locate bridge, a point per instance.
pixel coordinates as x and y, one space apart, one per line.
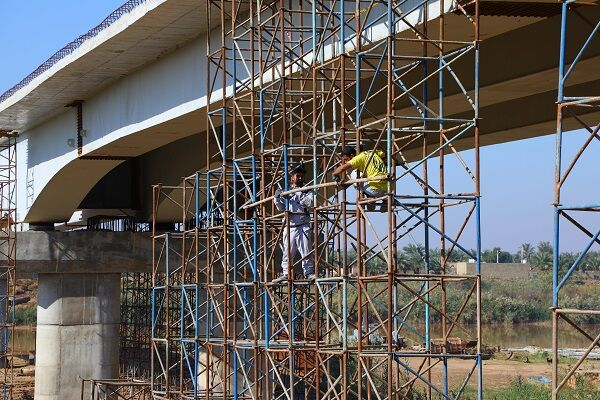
125 107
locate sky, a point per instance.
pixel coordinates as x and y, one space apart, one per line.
516 178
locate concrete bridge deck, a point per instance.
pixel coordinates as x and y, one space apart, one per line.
142 79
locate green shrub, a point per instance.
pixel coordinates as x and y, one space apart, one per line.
521 389
26 315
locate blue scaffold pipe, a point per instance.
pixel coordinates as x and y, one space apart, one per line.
478 234
563 44
197 198
555 264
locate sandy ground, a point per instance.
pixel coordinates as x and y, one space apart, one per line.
496 374
23 387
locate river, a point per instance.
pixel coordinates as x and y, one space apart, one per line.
540 335
522 335
24 339
505 336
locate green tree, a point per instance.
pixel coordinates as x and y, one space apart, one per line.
457 255
526 251
566 260
414 257
592 261
435 261
543 258
403 262
376 265
496 254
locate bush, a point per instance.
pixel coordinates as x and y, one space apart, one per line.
26 315
521 389
583 302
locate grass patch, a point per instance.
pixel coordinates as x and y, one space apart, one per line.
521 389
26 315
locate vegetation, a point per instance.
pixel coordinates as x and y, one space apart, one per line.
411 258
503 301
26 315
521 389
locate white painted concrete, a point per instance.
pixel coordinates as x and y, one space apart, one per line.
165 90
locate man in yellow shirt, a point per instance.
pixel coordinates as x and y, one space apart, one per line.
370 164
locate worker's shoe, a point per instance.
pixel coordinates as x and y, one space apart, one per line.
280 278
310 277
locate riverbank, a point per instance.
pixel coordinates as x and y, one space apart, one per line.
518 301
523 376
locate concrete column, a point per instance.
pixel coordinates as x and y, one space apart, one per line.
77 332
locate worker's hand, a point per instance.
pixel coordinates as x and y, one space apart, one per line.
337 179
279 195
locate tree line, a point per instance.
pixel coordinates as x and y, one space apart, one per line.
412 258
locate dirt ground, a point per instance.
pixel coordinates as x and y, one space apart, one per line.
23 387
497 372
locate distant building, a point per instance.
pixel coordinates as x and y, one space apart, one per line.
494 270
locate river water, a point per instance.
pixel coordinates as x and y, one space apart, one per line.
505 336
24 340
522 335
515 336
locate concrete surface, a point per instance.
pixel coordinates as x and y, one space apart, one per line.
77 332
505 271
84 252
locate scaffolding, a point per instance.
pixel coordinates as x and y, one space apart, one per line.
582 110
8 254
294 81
116 389
136 303
135 327
179 287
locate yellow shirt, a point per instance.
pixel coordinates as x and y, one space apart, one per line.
375 167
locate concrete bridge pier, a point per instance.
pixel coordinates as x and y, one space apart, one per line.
79 295
77 332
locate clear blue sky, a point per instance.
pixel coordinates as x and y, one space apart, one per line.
517 177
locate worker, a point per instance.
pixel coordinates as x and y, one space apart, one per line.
370 164
300 234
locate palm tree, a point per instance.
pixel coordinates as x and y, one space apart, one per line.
526 250
435 261
545 247
592 261
414 256
543 258
496 254
403 262
566 260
